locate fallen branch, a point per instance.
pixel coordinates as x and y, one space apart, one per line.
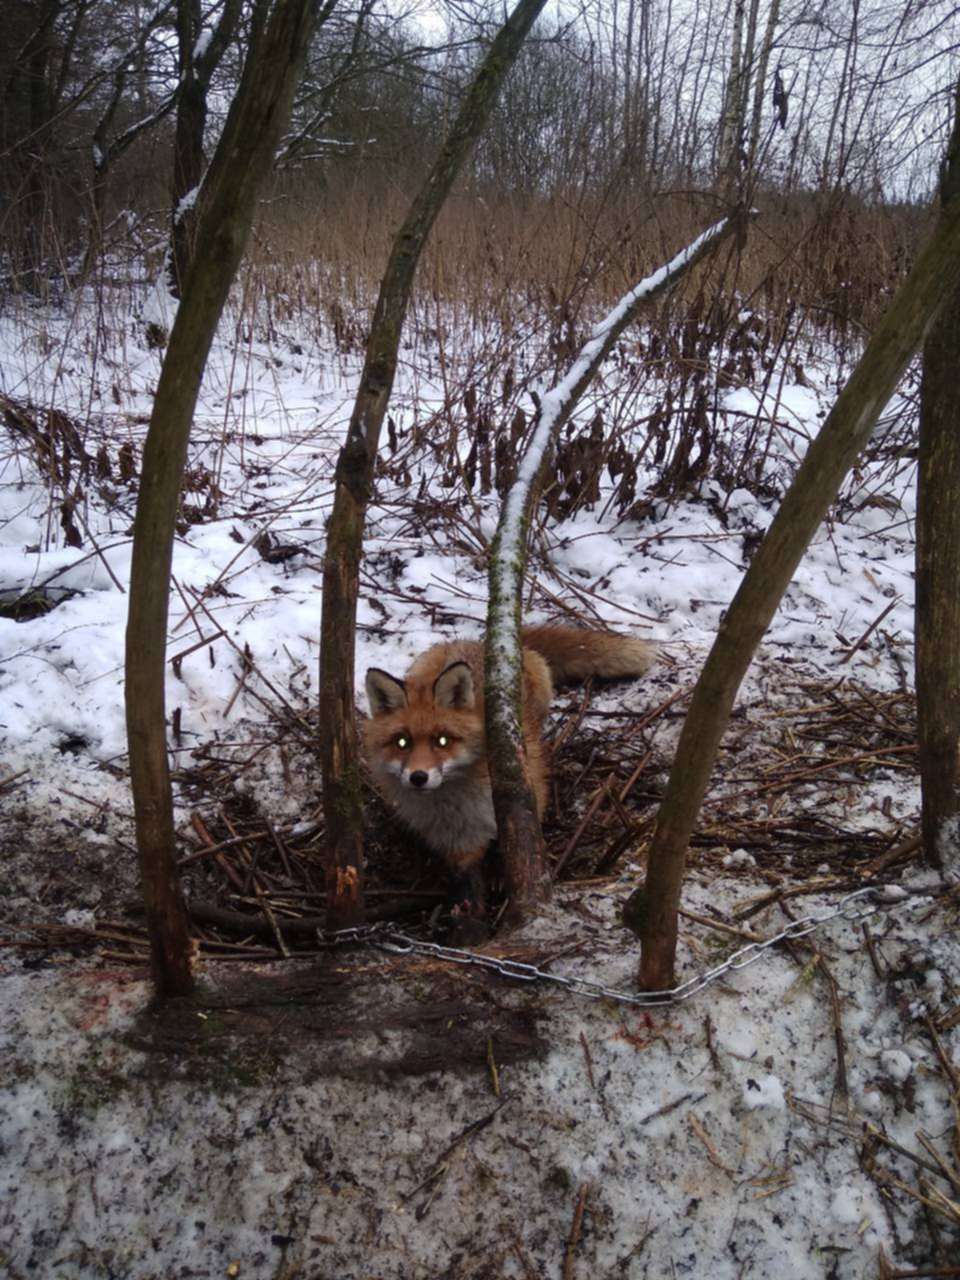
858 644
244 924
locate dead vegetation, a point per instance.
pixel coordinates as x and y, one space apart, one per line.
787 796
787 793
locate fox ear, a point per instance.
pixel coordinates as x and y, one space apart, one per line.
453 688
384 692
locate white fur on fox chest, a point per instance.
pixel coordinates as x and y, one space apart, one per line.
456 817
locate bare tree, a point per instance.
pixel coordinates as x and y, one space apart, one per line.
652 909
733 116
254 125
339 748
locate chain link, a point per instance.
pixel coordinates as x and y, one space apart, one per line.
387 937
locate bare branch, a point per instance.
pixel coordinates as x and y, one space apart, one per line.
517 824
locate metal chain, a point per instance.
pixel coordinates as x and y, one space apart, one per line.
387 937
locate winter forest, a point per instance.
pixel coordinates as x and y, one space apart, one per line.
479 639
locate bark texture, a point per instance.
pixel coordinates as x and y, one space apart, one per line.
339 747
938 565
246 149
652 910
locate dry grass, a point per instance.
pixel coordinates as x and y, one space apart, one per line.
494 255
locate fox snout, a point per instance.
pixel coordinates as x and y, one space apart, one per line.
422 779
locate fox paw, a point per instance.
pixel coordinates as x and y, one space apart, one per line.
469 925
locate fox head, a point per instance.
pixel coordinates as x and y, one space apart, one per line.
423 734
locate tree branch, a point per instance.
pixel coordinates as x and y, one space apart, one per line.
517 823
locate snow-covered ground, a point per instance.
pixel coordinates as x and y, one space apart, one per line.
710 1138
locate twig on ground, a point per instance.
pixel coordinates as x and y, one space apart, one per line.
872 950
576 1227
524 1259
492 1064
899 853
441 1164
588 1060
713 1155
672 1106
747 934
858 644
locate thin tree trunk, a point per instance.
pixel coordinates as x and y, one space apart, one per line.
938 565
518 827
253 129
196 73
339 748
187 144
760 93
37 220
732 115
652 909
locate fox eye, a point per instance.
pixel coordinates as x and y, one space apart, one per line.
442 740
402 741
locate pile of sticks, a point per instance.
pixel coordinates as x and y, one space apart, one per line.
789 790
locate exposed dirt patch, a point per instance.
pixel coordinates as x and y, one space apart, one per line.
343 1017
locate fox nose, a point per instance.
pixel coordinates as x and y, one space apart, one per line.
418 778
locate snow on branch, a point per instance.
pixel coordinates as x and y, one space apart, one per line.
508 556
129 135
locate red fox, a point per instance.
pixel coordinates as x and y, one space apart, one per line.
425 736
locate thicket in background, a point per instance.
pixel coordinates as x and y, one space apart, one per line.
617 137
108 108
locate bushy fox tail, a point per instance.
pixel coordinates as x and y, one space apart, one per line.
574 653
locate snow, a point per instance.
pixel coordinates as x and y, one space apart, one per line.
704 1152
202 43
896 1064
711 1137
186 203
846 1206
159 308
763 1093
739 858
948 842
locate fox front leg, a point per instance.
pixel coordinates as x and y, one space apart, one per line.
468 901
